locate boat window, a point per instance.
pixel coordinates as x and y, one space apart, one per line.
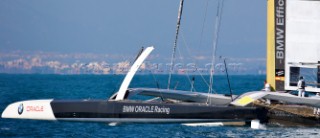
141 97
310 76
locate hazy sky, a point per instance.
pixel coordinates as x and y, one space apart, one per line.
123 26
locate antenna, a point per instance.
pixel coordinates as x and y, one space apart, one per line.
225 65
192 83
140 52
175 87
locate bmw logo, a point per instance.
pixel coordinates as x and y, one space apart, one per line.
20 109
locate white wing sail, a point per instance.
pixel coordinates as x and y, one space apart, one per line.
136 65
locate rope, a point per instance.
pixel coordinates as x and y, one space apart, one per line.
203 24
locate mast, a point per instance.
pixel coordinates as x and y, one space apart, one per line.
175 42
215 42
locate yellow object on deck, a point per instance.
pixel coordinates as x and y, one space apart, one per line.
245 100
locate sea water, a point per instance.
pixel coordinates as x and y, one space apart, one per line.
24 87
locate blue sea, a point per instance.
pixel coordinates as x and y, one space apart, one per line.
23 87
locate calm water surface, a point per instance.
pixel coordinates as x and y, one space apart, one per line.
23 87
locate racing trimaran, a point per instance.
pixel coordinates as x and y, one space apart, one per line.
167 106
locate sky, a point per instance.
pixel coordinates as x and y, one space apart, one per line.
123 26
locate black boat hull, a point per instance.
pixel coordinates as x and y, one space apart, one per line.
130 111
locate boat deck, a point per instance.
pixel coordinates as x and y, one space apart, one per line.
289 114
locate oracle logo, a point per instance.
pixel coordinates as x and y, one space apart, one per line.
34 108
